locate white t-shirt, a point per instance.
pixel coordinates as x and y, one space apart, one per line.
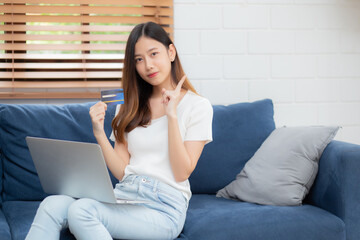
148 146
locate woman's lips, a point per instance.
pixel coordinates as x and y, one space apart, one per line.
152 75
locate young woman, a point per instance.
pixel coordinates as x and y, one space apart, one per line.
159 134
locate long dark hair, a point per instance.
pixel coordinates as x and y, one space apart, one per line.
136 110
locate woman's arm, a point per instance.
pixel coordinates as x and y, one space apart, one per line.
116 158
183 155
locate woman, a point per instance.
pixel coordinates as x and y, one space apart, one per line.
159 134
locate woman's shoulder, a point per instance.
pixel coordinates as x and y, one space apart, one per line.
196 103
198 110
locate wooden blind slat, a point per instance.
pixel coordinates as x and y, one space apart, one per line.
42 65
86 19
63 56
67 28
48 95
72 28
163 3
64 37
64 47
60 75
60 84
31 9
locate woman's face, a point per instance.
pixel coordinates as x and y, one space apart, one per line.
153 61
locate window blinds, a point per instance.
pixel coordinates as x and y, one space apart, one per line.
70 43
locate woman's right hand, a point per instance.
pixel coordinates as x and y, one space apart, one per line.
97 114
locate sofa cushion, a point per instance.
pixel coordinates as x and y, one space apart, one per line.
210 218
238 131
4 228
283 169
67 122
20 215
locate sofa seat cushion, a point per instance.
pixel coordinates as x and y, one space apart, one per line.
4 228
209 218
20 215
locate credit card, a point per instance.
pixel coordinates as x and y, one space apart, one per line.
113 96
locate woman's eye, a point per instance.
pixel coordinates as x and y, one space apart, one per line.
154 53
138 60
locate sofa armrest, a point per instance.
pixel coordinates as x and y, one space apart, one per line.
336 188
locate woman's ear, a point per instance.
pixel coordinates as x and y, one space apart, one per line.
172 52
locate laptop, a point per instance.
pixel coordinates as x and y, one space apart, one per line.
76 169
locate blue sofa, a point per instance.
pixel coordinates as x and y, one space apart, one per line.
331 211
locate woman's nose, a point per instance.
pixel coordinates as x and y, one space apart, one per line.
149 64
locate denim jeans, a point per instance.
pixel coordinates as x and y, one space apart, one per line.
162 217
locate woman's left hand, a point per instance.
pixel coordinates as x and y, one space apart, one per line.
171 98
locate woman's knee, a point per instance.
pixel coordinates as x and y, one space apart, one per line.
82 209
55 204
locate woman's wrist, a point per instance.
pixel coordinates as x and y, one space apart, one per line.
100 135
172 116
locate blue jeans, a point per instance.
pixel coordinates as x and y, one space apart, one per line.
162 217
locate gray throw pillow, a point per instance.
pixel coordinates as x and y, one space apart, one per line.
283 169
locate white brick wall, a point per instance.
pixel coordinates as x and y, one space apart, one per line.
303 54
